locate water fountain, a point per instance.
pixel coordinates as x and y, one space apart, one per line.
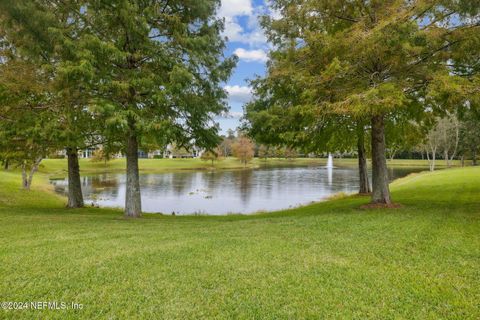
330 161
330 169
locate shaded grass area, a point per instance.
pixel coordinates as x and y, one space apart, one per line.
328 260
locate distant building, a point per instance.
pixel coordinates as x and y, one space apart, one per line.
169 152
87 153
173 152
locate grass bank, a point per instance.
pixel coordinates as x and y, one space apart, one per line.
58 167
330 260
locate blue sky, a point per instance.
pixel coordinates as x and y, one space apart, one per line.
248 42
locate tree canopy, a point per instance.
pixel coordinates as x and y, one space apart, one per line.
359 60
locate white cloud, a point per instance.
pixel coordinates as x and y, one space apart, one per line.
272 12
242 94
233 31
232 115
236 114
251 55
232 8
250 33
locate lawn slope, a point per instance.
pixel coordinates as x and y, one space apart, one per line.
328 260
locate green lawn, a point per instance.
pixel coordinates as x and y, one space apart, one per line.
59 166
330 260
87 166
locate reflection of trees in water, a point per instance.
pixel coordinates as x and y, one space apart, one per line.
393 173
396 173
267 178
104 181
157 185
247 190
59 186
244 183
181 182
212 180
103 184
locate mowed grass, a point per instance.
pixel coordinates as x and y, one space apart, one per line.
58 167
330 260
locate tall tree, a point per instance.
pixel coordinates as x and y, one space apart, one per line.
25 115
46 33
243 150
470 136
362 160
158 69
369 59
278 116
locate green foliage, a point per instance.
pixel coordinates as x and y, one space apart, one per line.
25 113
337 63
212 155
157 67
243 149
46 35
99 155
469 144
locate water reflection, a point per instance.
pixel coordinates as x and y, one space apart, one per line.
330 175
222 192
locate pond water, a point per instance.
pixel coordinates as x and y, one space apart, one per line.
224 192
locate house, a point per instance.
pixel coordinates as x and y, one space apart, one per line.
175 152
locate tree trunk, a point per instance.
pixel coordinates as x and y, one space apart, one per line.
474 157
392 154
362 161
133 202
431 162
434 155
28 178
75 197
24 176
381 191
6 164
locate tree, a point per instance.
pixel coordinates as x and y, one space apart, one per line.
470 136
366 60
403 133
263 152
449 128
362 160
212 155
432 145
277 117
25 117
46 33
243 149
290 153
226 144
100 155
157 69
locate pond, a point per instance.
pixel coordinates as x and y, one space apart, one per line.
224 192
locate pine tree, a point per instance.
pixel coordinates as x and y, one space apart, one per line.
158 68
